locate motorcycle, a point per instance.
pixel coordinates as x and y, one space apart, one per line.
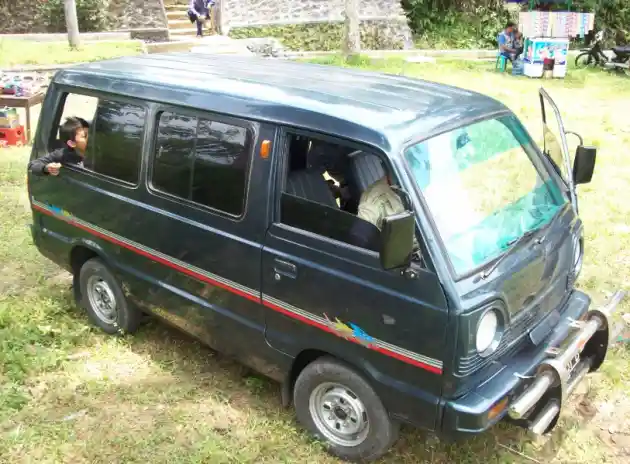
595 56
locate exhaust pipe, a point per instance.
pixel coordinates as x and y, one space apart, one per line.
546 416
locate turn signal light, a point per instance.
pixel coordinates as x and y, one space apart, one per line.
265 149
498 408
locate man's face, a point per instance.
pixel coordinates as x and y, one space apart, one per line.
80 141
509 30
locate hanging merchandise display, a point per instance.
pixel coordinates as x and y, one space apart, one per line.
555 24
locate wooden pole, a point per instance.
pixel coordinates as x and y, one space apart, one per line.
72 24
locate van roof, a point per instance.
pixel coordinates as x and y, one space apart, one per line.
382 110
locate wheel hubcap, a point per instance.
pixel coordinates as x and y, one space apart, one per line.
102 299
339 414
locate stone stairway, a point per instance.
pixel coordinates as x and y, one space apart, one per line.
179 26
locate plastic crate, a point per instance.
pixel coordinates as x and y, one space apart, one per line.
14 137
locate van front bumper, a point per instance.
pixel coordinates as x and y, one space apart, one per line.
533 387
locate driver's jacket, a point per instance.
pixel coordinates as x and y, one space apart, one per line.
378 202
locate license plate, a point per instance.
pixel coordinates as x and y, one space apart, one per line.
573 363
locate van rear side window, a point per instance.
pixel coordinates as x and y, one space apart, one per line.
202 161
115 138
115 144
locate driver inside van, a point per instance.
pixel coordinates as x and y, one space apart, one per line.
73 133
380 201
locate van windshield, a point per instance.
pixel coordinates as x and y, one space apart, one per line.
485 186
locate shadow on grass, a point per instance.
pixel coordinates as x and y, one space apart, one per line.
203 371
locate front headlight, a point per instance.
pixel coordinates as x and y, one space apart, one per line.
489 333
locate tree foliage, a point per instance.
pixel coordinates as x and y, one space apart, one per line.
456 23
92 15
476 23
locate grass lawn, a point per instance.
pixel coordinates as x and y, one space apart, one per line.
68 393
24 52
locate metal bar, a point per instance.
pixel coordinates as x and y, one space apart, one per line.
579 375
546 416
531 396
613 302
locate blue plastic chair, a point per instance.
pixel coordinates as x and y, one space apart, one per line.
501 63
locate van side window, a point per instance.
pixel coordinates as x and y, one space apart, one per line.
116 131
322 191
202 161
73 105
115 143
173 161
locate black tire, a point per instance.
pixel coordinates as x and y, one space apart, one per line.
96 278
382 432
583 60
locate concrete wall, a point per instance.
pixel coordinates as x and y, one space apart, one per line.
22 16
385 18
240 13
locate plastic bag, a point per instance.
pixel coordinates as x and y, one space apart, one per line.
518 68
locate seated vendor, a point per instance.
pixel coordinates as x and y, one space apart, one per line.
518 43
506 42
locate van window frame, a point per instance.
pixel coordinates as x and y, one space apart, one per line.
62 91
281 167
251 140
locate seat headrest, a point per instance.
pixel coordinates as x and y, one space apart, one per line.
366 168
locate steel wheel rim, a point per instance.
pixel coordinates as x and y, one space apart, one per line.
102 299
339 414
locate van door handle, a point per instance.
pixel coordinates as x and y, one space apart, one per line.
284 268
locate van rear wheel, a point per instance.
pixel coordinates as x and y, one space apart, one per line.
103 299
339 407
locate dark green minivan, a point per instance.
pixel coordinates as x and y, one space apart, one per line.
390 250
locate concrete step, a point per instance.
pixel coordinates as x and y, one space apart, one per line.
176 6
177 14
212 45
174 24
184 31
166 47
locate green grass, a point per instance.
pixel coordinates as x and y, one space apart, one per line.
24 52
68 393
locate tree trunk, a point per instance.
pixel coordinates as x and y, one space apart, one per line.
72 24
352 39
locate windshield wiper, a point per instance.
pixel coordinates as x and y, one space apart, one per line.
513 246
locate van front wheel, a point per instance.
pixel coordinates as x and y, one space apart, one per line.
103 299
339 407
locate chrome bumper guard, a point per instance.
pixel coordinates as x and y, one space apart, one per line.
558 375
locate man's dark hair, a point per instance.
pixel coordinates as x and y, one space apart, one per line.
510 24
70 127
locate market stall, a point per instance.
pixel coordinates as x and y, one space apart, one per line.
18 91
547 33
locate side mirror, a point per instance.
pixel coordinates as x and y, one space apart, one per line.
584 164
397 234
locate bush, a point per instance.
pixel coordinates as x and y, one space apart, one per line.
92 15
453 24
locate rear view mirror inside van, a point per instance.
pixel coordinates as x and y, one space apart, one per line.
397 235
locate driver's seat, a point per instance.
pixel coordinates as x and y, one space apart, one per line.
365 169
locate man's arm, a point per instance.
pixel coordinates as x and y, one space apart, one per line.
370 212
192 8
38 166
503 46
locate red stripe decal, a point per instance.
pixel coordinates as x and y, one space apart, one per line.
204 278
325 328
